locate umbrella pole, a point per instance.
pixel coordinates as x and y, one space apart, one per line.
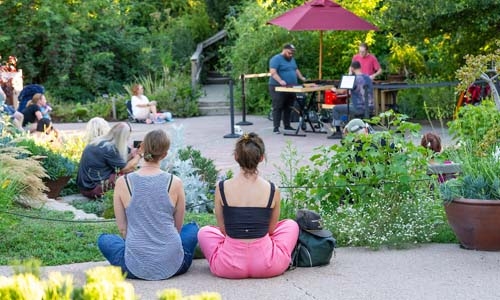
320 52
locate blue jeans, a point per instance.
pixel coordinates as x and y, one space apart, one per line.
112 247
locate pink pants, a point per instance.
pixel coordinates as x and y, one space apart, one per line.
265 257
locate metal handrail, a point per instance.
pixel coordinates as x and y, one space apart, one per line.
197 57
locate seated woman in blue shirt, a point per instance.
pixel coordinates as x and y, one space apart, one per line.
103 159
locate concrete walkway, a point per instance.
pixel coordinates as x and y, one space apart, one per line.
209 135
435 271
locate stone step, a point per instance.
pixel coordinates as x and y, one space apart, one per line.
214 74
212 103
65 205
217 111
214 111
217 80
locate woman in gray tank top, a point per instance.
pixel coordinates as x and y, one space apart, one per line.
149 208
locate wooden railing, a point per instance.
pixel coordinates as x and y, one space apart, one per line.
197 58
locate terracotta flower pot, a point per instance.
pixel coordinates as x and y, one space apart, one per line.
55 186
476 223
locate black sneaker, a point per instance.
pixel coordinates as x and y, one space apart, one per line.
276 130
289 128
335 136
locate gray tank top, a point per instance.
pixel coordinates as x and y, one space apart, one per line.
153 248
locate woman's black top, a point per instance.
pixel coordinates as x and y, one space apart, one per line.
246 222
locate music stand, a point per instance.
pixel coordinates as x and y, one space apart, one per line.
347 83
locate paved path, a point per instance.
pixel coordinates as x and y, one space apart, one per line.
435 271
207 135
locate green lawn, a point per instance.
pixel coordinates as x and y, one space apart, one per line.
57 242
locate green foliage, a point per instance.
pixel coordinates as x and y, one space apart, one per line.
20 175
205 167
473 123
58 243
289 202
252 44
101 106
172 92
10 187
80 50
55 164
53 243
373 189
404 58
437 103
478 152
479 177
219 11
389 217
465 27
101 207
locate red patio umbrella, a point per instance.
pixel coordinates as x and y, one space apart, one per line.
321 15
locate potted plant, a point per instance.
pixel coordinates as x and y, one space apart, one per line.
59 168
472 200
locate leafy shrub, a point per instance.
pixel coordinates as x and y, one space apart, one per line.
101 207
478 153
55 164
432 102
205 167
101 106
172 92
477 124
290 158
196 187
373 189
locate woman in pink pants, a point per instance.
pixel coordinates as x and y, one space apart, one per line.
249 241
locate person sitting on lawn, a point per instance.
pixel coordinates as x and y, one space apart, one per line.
103 159
249 240
149 206
145 110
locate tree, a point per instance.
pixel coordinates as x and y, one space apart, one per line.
82 49
468 26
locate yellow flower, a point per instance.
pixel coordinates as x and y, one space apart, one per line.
5 183
170 294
